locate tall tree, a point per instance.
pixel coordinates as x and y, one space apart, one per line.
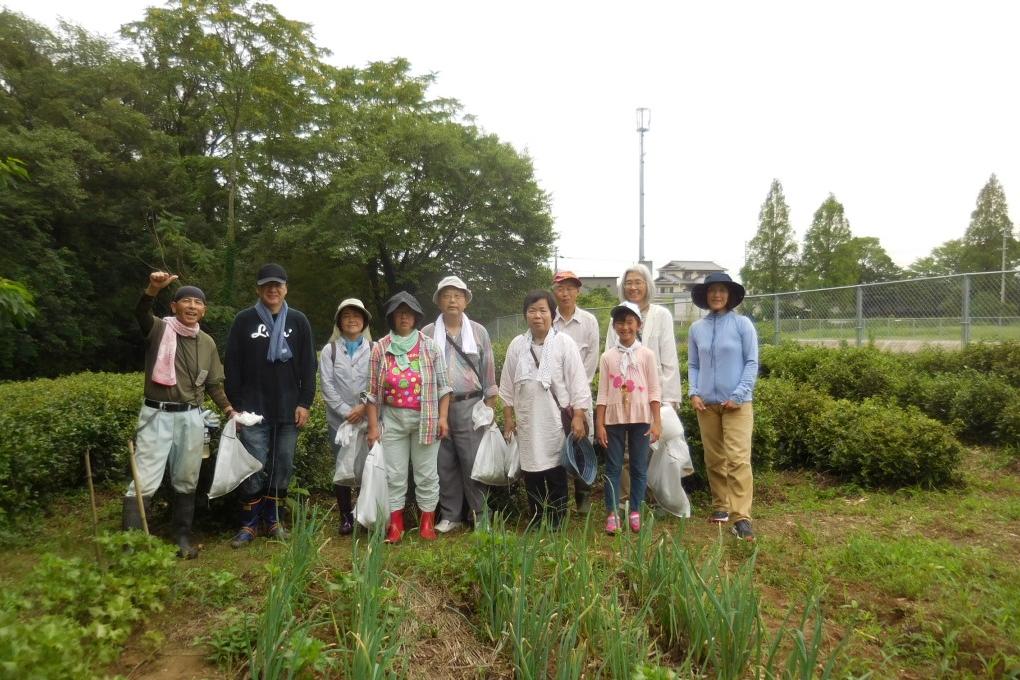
237 81
828 257
772 254
873 262
943 260
412 191
989 243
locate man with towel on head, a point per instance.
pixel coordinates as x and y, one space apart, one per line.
181 365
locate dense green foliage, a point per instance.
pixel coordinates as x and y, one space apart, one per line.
215 136
974 391
73 615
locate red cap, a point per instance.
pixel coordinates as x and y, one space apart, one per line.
566 276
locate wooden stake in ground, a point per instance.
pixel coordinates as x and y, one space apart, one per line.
138 488
92 497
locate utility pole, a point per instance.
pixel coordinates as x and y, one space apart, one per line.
644 120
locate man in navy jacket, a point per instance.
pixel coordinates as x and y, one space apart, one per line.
270 370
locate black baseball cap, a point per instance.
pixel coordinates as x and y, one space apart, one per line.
271 272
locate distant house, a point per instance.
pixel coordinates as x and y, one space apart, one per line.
674 283
607 282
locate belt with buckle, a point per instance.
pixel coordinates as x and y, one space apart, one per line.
169 406
467 395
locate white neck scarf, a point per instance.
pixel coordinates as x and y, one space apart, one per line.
627 360
467 335
526 369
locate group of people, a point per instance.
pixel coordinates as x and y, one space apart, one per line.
419 389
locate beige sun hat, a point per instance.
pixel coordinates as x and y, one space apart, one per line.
358 305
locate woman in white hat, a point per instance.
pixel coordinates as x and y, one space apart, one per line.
722 370
343 378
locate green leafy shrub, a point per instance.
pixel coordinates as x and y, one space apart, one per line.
876 444
49 424
790 360
313 458
783 413
970 401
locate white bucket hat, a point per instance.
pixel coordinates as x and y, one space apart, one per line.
451 282
358 305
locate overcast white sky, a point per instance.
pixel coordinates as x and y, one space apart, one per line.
901 109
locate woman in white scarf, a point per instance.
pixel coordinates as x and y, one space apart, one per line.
542 373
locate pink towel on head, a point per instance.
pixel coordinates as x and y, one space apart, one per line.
164 372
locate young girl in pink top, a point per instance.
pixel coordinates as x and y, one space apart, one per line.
627 409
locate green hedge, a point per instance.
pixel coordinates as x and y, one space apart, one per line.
974 391
871 443
48 425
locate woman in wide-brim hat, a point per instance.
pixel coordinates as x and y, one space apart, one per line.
722 370
408 383
343 378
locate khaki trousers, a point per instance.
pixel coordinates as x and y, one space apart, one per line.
726 436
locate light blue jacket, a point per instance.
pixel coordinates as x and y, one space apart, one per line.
722 358
343 379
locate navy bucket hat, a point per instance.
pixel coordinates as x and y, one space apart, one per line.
699 294
579 459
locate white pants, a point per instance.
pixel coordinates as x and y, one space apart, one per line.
174 438
402 449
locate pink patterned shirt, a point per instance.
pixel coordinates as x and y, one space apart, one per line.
403 388
628 398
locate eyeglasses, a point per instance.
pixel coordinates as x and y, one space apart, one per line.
452 295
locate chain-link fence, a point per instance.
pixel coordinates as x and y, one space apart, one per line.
945 310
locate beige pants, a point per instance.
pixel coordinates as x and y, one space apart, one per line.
726 436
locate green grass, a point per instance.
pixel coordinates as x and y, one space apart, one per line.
918 584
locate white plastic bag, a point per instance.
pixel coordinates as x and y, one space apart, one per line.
668 466
671 425
233 462
513 457
492 459
374 500
481 415
350 458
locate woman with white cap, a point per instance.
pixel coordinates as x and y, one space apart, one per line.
343 377
722 370
408 382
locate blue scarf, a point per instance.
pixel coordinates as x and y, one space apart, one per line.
279 350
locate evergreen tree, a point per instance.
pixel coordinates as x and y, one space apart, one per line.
772 254
829 257
989 238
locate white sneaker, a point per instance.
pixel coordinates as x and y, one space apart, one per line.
446 526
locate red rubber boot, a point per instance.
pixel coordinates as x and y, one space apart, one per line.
396 528
427 529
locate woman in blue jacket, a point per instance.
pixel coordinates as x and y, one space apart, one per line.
722 369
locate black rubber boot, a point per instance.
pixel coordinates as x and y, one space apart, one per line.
582 497
184 514
130 518
343 507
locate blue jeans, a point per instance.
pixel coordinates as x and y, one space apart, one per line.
273 445
636 435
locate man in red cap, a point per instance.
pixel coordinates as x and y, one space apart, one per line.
583 328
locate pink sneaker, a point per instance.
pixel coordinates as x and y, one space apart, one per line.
635 522
612 524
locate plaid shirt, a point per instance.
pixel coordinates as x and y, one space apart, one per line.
434 384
